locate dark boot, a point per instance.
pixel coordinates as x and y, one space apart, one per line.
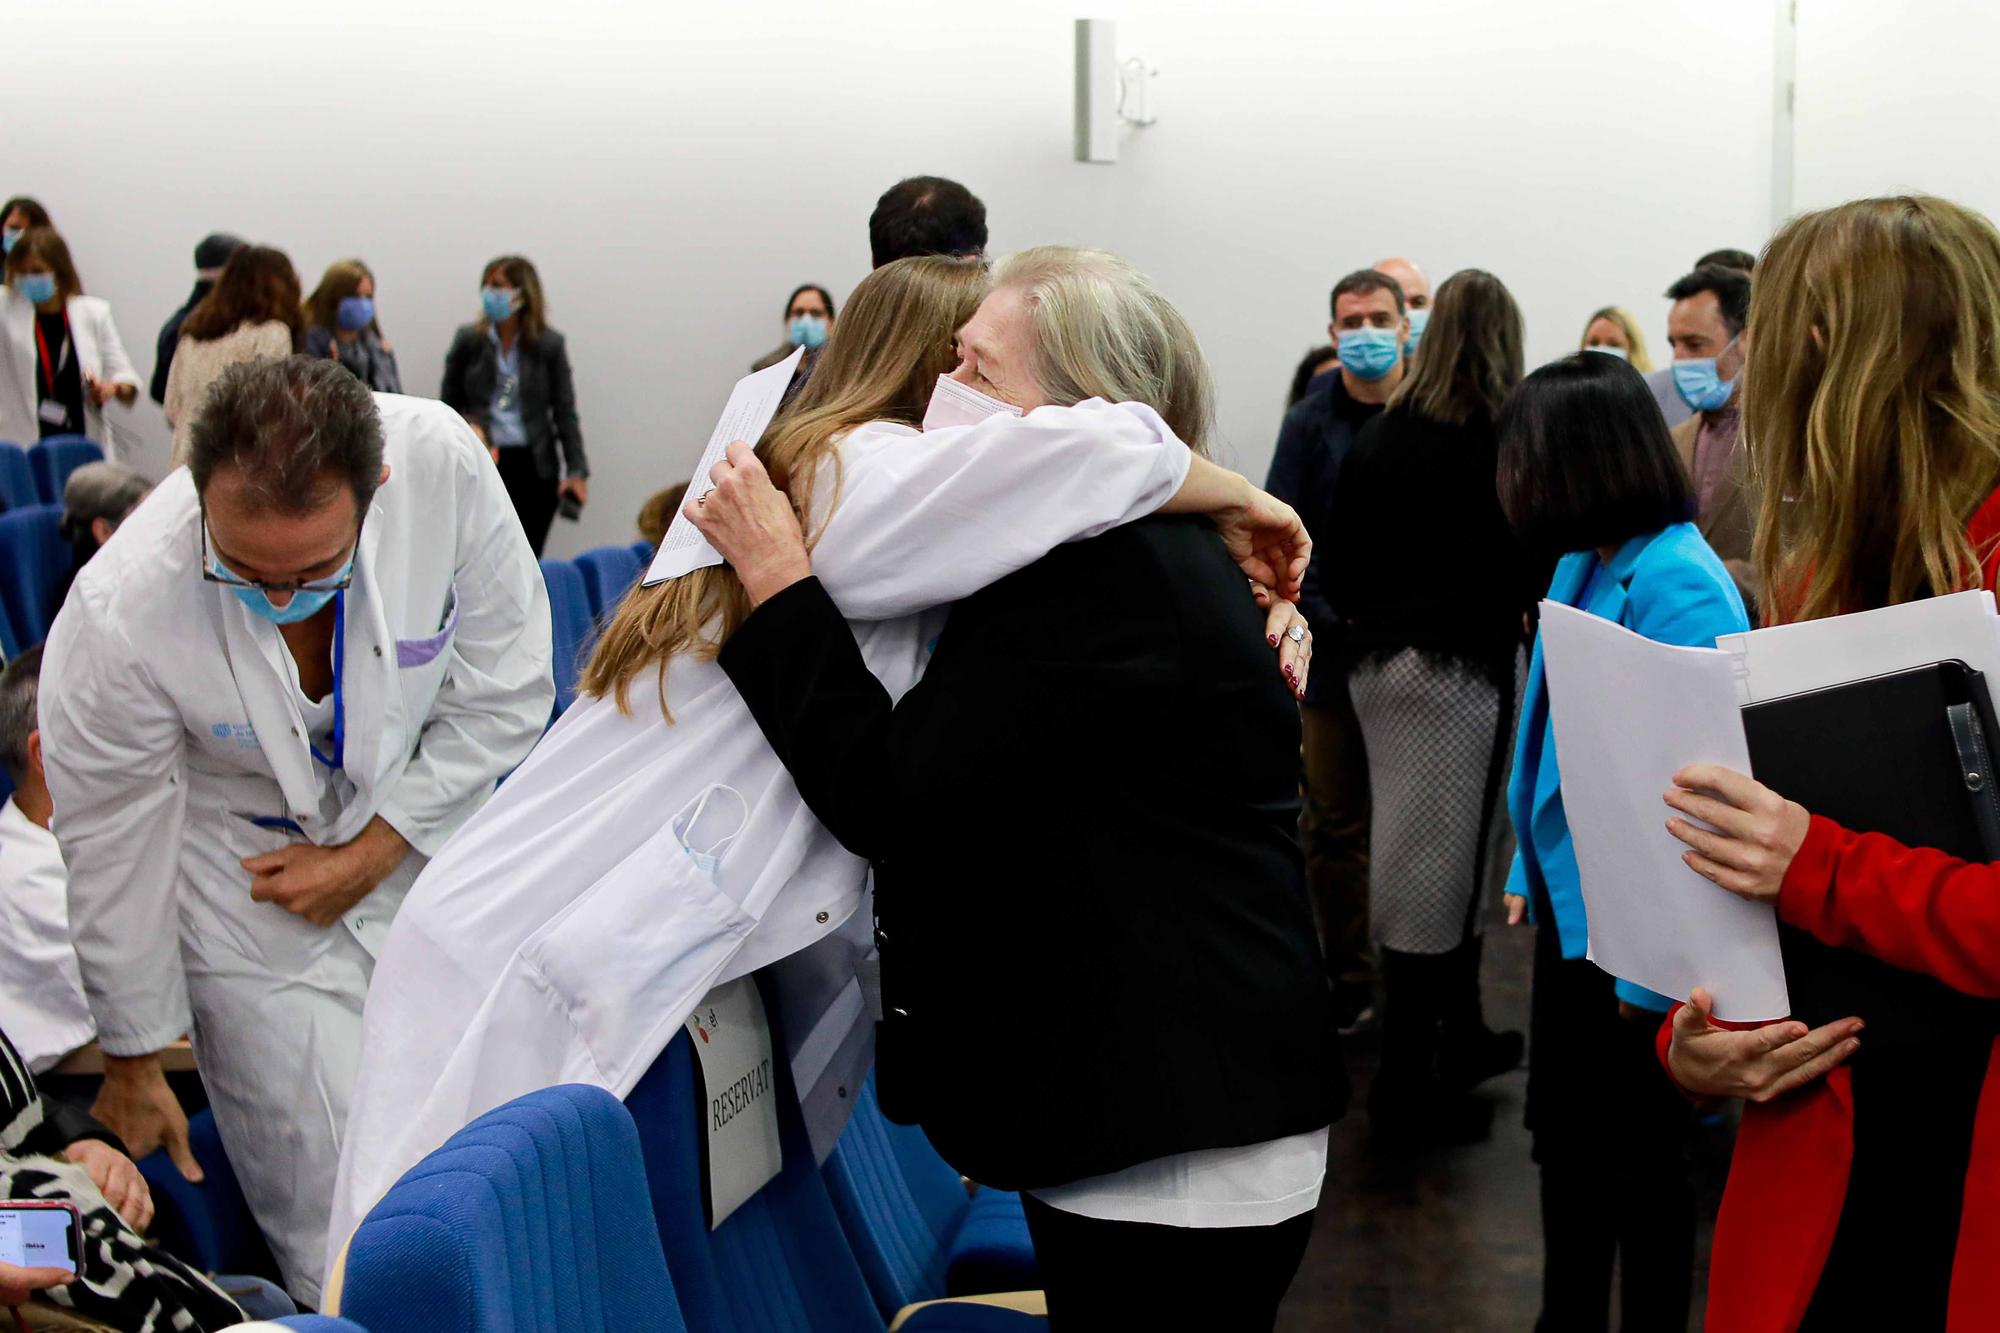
1406 1104
1469 1052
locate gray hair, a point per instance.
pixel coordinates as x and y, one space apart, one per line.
100 490
291 427
19 686
1102 330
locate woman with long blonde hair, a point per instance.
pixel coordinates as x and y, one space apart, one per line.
1614 332
653 846
1862 1194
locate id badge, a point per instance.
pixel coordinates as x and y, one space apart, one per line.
54 413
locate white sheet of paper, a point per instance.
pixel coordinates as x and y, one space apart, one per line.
746 416
732 1047
1629 713
1814 654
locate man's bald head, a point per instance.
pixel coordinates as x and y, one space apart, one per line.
1416 287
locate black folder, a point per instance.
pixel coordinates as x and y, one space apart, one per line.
1907 755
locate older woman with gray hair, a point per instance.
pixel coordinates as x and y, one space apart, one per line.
1100 972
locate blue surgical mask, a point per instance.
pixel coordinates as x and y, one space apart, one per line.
1610 349
1369 354
1699 385
1418 319
36 288
498 302
356 312
304 605
8 236
807 331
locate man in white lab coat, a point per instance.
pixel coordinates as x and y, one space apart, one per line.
275 693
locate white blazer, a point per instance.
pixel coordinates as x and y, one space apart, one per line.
566 933
176 742
100 354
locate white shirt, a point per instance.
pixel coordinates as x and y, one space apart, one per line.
1260 1185
42 1008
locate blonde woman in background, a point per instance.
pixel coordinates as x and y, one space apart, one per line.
1614 332
654 824
340 323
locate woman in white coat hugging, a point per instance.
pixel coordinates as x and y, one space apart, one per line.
281 685
61 360
653 846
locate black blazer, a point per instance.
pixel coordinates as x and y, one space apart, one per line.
1089 897
548 395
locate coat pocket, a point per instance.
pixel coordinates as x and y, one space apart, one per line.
411 653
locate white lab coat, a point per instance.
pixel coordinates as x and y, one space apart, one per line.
42 1009
171 720
100 354
565 934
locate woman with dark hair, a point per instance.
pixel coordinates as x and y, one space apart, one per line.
70 359
1432 588
1587 470
1321 360
16 216
808 324
253 312
340 323
508 374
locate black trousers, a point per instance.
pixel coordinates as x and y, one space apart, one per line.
534 495
1134 1275
1611 1135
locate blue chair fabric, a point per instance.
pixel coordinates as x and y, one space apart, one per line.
17 478
318 1323
608 572
209 1224
53 459
645 552
569 616
533 1216
34 558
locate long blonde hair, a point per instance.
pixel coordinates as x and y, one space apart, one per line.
1636 355
1871 405
880 364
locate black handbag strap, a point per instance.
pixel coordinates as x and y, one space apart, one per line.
1975 766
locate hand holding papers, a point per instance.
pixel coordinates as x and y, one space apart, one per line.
747 415
1629 713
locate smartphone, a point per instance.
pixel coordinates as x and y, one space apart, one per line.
40 1233
570 507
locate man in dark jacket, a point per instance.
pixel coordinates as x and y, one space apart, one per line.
209 257
1369 329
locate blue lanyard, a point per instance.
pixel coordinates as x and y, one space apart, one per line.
338 758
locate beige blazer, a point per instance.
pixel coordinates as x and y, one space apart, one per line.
1730 522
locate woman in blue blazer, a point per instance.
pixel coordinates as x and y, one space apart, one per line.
1587 468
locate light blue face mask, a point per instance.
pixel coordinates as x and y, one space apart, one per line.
710 861
497 302
807 331
1700 387
1610 349
8 236
1418 319
36 288
305 603
1369 354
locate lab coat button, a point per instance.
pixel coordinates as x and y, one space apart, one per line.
821 918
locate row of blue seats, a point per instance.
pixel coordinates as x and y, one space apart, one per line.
581 593
565 1209
35 475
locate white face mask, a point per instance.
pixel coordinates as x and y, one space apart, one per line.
954 404
1609 350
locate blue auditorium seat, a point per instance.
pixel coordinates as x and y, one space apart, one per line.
17 478
569 615
311 1323
209 1224
645 552
53 459
781 1261
916 1231
534 1216
607 572
33 560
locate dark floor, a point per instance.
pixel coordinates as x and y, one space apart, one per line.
1449 1238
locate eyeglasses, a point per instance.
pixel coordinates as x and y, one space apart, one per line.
213 571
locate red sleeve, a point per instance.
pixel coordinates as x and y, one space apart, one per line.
1914 907
1665 1038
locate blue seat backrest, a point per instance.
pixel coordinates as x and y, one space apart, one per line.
53 459
17 478
608 571
779 1263
569 615
534 1216
900 1207
208 1224
319 1323
34 558
644 552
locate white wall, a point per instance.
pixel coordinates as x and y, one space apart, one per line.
1897 98
675 169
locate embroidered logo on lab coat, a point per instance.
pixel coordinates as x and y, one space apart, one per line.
242 733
